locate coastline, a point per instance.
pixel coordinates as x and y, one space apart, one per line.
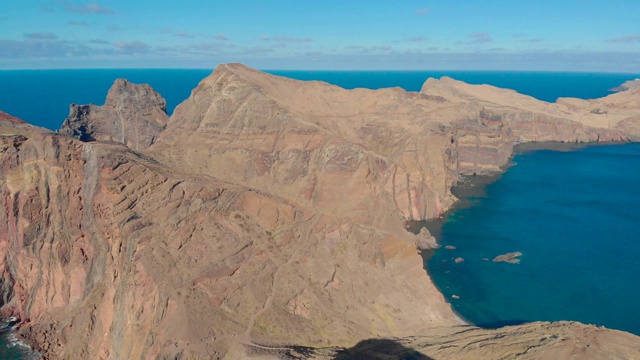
469 187
10 338
445 312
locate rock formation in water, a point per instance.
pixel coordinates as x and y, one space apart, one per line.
511 258
269 212
133 115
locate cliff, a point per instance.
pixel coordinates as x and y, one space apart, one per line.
268 212
132 115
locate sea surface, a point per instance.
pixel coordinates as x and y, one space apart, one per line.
578 248
573 214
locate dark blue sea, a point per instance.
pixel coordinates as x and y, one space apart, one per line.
573 214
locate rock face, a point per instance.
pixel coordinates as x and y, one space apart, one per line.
268 212
133 115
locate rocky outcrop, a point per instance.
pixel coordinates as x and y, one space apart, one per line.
627 85
511 258
269 212
132 115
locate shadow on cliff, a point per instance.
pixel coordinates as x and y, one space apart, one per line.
379 349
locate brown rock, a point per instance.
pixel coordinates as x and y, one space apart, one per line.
4 117
425 241
458 260
511 258
133 115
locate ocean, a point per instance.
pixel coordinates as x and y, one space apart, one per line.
577 249
572 214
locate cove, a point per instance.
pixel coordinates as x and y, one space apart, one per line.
572 213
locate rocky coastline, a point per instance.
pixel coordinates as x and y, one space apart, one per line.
266 213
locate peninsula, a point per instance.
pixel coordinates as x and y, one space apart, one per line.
265 218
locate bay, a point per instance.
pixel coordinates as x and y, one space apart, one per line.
573 215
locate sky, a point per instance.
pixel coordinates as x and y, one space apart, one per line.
542 35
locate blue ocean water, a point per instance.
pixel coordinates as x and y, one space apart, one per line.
573 215
42 97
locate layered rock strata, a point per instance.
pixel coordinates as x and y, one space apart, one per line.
268 212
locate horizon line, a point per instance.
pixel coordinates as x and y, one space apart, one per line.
328 70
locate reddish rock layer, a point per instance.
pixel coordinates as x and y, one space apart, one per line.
12 119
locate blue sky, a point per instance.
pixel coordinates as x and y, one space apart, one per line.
562 35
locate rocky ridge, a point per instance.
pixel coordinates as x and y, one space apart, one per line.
268 212
132 115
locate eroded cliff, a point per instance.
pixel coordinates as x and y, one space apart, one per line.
132 114
268 212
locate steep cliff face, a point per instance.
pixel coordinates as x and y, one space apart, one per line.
132 115
492 120
110 254
269 212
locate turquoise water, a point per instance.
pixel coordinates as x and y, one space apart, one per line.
574 217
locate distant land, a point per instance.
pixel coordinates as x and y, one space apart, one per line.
266 217
628 85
